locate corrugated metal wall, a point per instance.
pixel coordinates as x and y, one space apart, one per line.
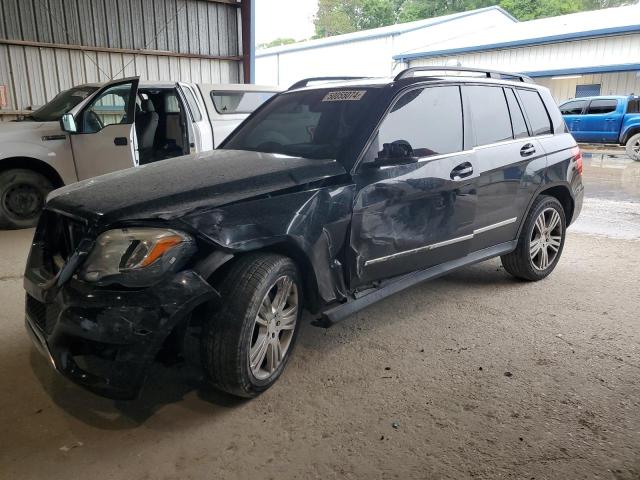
199 33
624 83
590 52
619 49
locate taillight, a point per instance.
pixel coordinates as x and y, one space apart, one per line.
577 157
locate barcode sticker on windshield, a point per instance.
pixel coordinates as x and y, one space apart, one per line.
344 96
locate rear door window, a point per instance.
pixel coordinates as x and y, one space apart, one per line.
536 112
429 120
602 106
489 114
517 118
573 108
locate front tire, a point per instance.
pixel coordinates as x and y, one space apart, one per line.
248 340
22 196
540 243
633 147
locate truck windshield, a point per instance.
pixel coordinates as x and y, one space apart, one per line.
316 124
62 103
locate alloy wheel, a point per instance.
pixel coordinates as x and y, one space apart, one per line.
546 239
273 328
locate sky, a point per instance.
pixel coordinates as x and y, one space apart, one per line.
284 19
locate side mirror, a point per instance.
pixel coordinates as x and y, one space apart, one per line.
68 123
391 161
399 152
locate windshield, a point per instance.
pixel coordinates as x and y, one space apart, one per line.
316 124
62 103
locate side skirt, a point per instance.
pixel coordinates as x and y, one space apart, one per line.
397 284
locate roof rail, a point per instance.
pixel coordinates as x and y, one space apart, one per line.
488 73
307 81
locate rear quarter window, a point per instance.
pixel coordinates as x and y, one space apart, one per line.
634 106
536 112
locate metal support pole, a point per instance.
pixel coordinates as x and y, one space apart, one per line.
248 40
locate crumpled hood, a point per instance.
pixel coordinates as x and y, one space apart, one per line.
174 187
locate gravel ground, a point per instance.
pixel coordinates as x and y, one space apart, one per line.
474 375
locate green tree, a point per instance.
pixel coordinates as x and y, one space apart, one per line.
411 10
277 42
532 9
335 17
598 4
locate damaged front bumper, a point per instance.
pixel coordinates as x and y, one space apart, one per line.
105 339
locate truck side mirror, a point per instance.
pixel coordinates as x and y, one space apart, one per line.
68 123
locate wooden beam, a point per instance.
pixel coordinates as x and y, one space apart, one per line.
130 51
16 112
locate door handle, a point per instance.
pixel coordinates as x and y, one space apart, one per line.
120 141
461 171
527 149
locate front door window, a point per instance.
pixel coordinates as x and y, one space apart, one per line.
111 107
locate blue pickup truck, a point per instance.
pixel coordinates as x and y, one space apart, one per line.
610 119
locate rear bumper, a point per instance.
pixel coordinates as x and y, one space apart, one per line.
105 340
578 199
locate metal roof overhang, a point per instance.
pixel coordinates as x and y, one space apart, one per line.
602 32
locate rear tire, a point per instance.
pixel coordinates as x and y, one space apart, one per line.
22 196
540 243
633 147
247 341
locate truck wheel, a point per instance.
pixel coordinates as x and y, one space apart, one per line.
248 340
22 196
540 243
633 147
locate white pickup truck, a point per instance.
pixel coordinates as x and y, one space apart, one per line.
94 129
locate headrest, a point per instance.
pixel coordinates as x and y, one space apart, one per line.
147 106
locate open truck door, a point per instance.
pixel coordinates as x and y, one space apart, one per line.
102 128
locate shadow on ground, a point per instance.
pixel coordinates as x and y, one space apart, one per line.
174 384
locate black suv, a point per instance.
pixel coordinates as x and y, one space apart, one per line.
328 198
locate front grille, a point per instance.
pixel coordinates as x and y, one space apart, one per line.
37 312
59 237
44 315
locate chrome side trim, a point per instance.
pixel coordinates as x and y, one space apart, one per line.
419 249
444 243
495 225
433 158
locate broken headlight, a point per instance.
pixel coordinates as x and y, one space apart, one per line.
136 257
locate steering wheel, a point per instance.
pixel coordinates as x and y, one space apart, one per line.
93 122
269 146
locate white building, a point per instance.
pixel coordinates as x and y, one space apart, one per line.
585 53
368 52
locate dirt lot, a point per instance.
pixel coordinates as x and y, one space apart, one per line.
471 376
